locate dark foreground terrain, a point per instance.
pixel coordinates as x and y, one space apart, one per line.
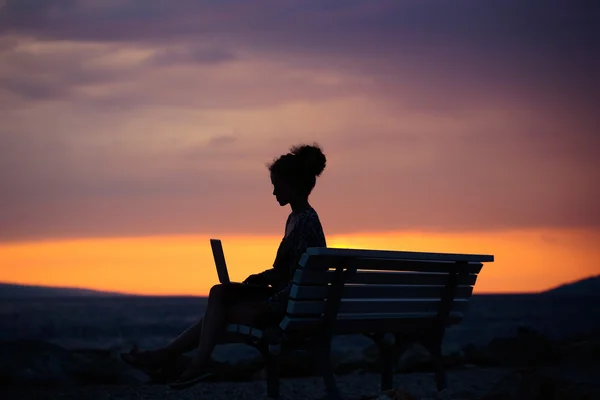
532 347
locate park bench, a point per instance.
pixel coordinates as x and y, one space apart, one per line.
393 297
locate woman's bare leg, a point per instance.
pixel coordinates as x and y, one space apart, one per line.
203 334
213 325
215 314
186 341
218 314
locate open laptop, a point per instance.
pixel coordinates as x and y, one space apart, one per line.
217 249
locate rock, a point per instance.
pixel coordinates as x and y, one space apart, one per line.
24 363
354 353
34 363
104 367
236 361
531 384
527 348
415 358
349 353
481 356
452 354
581 352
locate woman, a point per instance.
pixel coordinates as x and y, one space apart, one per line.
262 298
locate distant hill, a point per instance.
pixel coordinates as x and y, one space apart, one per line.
9 290
589 286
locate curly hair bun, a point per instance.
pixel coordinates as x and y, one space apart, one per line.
311 157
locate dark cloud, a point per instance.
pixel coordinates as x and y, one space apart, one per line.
142 117
190 54
549 49
54 72
345 25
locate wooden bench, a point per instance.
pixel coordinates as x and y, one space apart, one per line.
394 297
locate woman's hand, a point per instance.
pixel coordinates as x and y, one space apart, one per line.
255 279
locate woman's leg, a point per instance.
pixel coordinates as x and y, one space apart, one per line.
186 341
219 312
213 324
220 297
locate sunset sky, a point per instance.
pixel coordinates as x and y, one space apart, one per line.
133 131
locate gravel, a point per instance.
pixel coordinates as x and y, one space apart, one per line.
470 383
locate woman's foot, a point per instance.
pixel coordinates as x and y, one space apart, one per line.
195 373
147 359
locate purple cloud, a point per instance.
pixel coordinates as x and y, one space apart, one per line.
135 118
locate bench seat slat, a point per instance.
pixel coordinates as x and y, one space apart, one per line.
391 264
365 323
300 292
308 277
373 306
407 255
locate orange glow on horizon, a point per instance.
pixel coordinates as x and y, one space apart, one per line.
525 261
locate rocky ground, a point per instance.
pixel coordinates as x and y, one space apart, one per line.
527 366
552 382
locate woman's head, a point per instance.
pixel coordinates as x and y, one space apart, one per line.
294 174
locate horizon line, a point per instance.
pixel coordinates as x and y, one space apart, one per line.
108 293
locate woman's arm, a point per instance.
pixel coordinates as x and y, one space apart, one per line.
273 274
267 277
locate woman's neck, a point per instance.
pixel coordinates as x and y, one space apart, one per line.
299 206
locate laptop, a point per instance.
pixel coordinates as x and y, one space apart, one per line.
217 249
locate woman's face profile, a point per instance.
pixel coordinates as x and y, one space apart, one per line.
282 190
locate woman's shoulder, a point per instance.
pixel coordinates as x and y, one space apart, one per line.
310 221
309 214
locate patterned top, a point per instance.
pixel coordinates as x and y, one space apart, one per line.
302 230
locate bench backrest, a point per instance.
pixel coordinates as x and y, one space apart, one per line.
389 288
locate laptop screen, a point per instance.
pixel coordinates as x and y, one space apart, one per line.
219 256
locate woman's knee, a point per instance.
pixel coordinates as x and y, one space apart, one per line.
217 291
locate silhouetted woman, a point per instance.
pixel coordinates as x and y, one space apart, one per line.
262 299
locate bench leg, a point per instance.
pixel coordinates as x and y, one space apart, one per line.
386 355
435 349
324 361
272 371
385 345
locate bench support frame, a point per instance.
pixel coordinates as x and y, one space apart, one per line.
332 307
434 342
273 345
